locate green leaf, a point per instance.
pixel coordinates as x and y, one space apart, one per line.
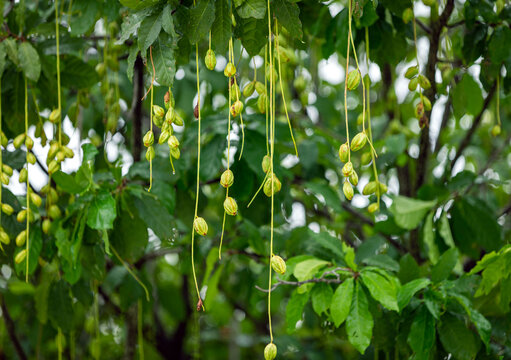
457 339
41 301
252 8
60 312
321 295
221 30
130 25
11 48
307 269
445 265
445 230
498 51
212 285
407 291
77 74
467 97
167 22
422 334
288 15
294 309
164 60
138 4
482 325
149 30
3 60
155 215
253 35
67 183
381 289
102 212
29 61
359 323
201 18
341 302
408 213
129 237
349 256
428 237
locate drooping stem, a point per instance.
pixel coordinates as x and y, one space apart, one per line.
151 116
126 266
59 100
498 99
27 249
346 82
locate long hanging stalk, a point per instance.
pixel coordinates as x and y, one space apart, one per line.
346 82
27 249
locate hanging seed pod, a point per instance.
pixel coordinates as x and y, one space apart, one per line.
370 188
158 121
5 179
178 120
236 108
175 153
29 143
383 188
270 351
260 88
7 209
354 178
68 153
347 169
164 137
424 82
278 264
373 207
65 139
274 72
347 189
158 111
366 158
227 179
20 256
168 100
169 115
268 185
353 79
407 15
360 119
55 116
35 199
54 148
419 110
235 92
149 154
23 176
52 196
3 139
166 127
426 103
230 206
196 111
101 70
300 84
4 237
200 226
21 238
148 138
46 226
412 85
411 72
21 216
249 89
53 167
343 152
173 142
60 156
230 69
261 103
210 60
495 131
7 169
358 141
54 212
266 163
19 140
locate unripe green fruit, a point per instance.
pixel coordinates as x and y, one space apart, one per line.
267 188
158 111
54 148
54 212
35 199
354 178
4 237
210 60
412 85
23 176
60 156
426 103
3 139
173 142
407 15
278 264
175 153
29 143
347 169
101 70
383 188
266 163
53 167
7 169
168 100
230 206
424 82
167 127
235 92
366 158
7 209
429 3
46 226
411 72
164 137
495 131
178 120
148 138
353 79
275 76
227 179
20 256
260 88
358 141
55 116
19 140
261 103
249 89
22 216
360 119
236 108
373 208
169 115
270 351
230 69
52 196
67 152
149 154
158 121
200 226
370 188
21 238
5 179
347 189
299 84
343 152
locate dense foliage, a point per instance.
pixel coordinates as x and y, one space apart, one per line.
413 95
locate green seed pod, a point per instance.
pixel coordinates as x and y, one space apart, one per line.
268 185
168 100
411 72
419 111
4 237
266 163
235 92
426 103
46 226
178 120
278 264
7 169
166 127
158 121
21 216
270 351
54 148
210 60
360 119
148 138
3 139
358 141
52 196
347 169
53 167
54 212
495 131
354 178
201 226
412 85
173 142
275 76
23 176
353 79
230 206
35 199
373 207
169 115
20 256
7 209
383 188
67 152
158 111
347 189
175 153
65 139
227 179
5 179
101 70
21 238
149 154
366 158
29 143
31 158
249 89
230 69
370 188
19 140
60 156
164 137
261 103
429 3
407 15
260 88
343 152
424 82
55 116
300 84
236 108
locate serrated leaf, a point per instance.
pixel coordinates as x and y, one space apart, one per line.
164 60
167 22
221 30
482 325
457 339
288 15
445 230
102 212
132 57
294 309
428 237
359 323
60 312
445 265
201 18
408 213
149 30
306 269
29 61
341 302
381 289
407 291
321 295
252 8
252 34
11 48
422 334
130 25
3 61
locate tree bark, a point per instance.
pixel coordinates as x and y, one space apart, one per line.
138 93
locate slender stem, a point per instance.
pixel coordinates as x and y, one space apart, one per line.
126 266
498 98
151 116
27 249
363 85
346 82
59 343
58 70
140 320
266 99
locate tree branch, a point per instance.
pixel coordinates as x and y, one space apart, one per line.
9 325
